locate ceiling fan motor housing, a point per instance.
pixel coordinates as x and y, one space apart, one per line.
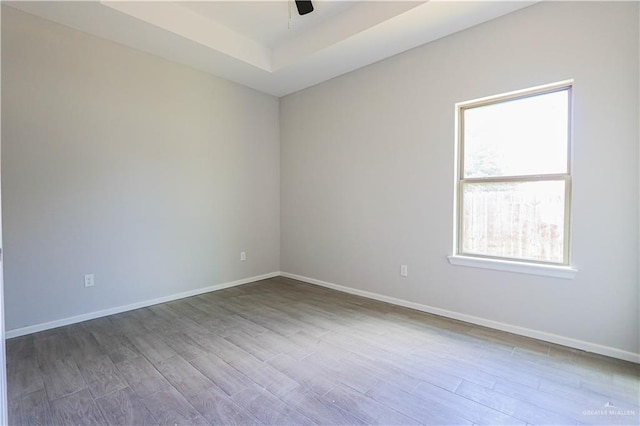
304 6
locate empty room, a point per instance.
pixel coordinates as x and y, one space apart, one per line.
320 212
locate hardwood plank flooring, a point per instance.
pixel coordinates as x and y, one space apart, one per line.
219 409
101 375
367 409
170 407
76 409
24 376
268 409
184 376
123 407
142 377
35 409
62 377
283 352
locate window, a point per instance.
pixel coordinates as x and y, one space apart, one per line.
513 190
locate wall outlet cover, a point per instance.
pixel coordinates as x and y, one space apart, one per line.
89 280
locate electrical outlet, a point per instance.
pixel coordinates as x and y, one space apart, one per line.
404 270
89 280
243 256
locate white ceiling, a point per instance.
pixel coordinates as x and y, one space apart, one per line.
256 44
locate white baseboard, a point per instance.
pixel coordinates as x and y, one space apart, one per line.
536 334
92 315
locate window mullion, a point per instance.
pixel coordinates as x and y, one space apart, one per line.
506 179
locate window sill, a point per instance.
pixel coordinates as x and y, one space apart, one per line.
565 272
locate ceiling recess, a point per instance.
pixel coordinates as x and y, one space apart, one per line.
249 42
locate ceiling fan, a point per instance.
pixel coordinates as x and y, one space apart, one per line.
304 6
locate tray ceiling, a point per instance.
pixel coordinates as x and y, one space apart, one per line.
266 45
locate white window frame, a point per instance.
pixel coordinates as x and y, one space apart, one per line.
546 268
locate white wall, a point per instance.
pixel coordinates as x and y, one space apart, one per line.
3 364
367 173
146 173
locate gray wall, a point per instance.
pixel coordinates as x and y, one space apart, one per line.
154 176
148 174
367 172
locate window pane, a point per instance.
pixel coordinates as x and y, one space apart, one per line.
523 220
525 136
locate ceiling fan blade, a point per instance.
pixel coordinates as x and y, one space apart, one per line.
304 6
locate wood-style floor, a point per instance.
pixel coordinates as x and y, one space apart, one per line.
282 352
